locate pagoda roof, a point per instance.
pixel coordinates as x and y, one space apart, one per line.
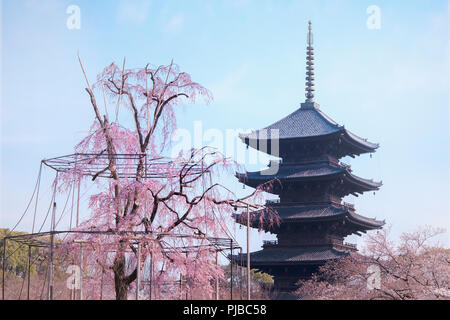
307 122
304 172
310 212
275 255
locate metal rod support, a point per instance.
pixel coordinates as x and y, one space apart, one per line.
248 253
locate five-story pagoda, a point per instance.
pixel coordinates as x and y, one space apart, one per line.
312 183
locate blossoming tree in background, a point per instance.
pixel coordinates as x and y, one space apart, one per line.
413 269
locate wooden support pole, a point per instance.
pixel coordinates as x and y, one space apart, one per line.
181 291
241 278
80 297
29 272
80 267
138 270
78 201
151 274
185 285
3 268
248 253
248 244
231 269
217 278
52 243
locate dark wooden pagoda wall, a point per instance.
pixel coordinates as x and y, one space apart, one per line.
314 149
287 277
313 235
316 191
311 178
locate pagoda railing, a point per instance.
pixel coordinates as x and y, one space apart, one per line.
270 243
344 245
349 205
350 245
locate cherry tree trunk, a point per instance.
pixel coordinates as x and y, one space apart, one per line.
121 283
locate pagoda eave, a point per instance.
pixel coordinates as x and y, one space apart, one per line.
301 176
273 217
290 256
350 144
359 142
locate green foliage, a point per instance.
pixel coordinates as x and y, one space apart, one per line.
263 279
16 254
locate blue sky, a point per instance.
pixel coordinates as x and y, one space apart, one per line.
389 85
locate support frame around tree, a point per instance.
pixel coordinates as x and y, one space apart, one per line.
214 244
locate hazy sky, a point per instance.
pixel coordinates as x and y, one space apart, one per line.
390 85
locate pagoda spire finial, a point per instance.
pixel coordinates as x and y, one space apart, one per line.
310 66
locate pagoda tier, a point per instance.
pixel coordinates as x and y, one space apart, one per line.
325 179
331 218
289 265
276 255
307 132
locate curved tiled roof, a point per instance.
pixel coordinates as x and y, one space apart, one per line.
300 123
361 219
289 213
361 140
282 255
298 172
307 211
306 122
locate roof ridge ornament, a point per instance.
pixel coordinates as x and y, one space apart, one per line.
309 102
